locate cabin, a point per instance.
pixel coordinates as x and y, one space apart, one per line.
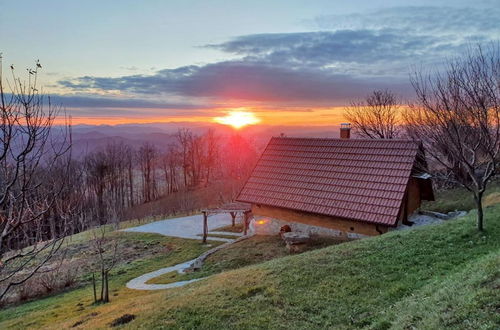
336 187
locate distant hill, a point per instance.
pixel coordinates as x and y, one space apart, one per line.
91 137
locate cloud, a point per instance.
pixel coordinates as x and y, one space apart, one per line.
92 101
342 50
241 80
349 57
424 20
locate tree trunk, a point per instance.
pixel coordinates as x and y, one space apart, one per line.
205 227
233 217
479 204
131 184
106 290
102 285
93 285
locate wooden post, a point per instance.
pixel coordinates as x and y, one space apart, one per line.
205 226
245 222
233 217
93 284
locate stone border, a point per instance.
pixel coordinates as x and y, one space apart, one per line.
198 262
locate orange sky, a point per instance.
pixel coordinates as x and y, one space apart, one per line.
290 117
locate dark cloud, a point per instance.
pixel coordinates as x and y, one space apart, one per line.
330 48
245 81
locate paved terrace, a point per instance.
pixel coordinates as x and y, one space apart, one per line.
187 227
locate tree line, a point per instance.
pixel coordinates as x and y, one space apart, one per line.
47 194
118 176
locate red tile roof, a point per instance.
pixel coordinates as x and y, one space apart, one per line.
363 180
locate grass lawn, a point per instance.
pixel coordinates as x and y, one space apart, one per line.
461 199
431 277
219 235
254 250
76 305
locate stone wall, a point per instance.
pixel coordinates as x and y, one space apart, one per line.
271 226
269 220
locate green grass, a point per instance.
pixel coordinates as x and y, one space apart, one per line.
461 199
219 235
254 250
431 277
76 303
468 299
369 283
248 252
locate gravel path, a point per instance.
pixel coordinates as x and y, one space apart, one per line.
424 219
139 283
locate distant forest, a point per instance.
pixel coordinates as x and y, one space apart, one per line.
119 181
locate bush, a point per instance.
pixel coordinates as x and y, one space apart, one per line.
49 280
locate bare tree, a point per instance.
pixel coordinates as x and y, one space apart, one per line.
97 169
129 161
457 117
211 155
184 137
35 162
376 116
147 157
170 162
105 247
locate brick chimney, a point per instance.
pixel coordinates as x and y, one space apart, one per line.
345 131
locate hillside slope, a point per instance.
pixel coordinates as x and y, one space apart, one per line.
432 277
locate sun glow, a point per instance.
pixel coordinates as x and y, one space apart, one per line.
238 119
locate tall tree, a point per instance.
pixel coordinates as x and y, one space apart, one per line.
184 137
170 162
211 155
375 117
147 156
35 161
457 117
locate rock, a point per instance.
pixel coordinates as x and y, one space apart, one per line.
291 238
285 229
456 214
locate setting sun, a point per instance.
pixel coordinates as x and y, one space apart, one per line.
238 119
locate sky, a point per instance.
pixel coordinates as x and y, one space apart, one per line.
288 61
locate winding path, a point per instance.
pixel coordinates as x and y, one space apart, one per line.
139 283
184 227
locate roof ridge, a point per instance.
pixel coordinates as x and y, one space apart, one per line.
340 139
